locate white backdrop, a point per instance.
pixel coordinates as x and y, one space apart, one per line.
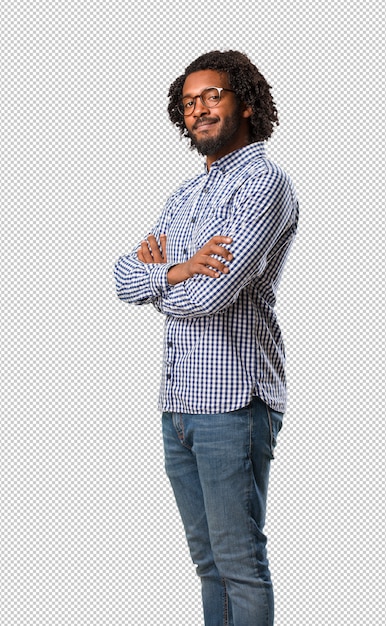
89 532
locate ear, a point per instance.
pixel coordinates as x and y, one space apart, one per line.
246 111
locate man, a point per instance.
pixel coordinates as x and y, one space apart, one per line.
212 266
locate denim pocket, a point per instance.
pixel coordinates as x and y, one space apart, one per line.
275 420
178 424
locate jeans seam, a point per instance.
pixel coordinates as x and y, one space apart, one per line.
270 432
226 608
251 475
178 423
250 432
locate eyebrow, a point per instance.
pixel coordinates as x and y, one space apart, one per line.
190 95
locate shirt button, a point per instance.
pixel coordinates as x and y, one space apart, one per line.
205 190
185 251
170 344
193 218
168 376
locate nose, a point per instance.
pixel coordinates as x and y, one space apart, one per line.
200 108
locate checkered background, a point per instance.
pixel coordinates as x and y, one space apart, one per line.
89 531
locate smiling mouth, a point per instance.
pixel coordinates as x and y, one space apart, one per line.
203 125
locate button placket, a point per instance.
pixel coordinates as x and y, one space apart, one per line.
169 358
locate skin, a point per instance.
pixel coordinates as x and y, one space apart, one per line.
207 122
227 125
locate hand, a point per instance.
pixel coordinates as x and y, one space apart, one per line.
203 262
150 252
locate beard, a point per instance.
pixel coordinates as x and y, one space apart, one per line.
211 145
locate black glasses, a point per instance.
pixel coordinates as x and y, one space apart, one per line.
210 97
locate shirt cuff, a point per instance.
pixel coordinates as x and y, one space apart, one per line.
159 285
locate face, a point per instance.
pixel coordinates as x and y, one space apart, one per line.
218 130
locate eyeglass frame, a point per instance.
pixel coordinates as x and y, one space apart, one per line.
180 106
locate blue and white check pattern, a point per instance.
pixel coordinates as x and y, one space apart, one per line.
222 342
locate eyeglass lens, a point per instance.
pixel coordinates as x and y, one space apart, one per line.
209 97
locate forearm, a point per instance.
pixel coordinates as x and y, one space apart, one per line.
177 274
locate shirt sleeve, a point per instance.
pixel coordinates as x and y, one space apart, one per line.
262 220
140 283
143 283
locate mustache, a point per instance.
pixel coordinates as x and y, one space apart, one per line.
204 120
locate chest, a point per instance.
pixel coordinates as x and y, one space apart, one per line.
196 217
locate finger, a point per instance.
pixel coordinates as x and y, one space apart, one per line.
140 255
220 251
163 246
211 261
220 239
157 256
214 265
207 271
147 255
217 266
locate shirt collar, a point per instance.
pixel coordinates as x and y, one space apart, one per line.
239 157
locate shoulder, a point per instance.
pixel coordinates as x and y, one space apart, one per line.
265 177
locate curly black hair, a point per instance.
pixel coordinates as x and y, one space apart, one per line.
244 78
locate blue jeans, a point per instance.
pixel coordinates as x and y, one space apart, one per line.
218 466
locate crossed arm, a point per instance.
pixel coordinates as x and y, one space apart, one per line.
262 220
203 262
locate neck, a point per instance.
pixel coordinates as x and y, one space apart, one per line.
211 158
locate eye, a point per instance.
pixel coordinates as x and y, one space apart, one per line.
210 97
188 104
